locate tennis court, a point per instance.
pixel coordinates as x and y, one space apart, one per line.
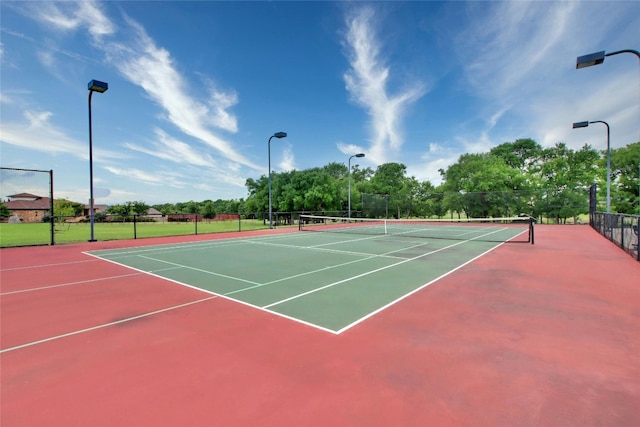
332 278
359 325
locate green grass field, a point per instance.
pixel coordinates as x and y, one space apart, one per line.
27 234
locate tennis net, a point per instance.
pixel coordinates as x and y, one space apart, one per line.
517 229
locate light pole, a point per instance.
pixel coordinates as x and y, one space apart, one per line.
94 86
584 125
276 135
349 197
596 59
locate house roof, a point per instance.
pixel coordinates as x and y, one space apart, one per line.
24 196
41 204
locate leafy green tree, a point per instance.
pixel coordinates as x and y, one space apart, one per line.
480 181
567 175
4 211
207 209
166 208
521 154
67 208
624 178
128 209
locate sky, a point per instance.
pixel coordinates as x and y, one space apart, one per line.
197 88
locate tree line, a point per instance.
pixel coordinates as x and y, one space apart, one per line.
513 178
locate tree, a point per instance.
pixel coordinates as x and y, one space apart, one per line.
567 175
481 181
4 211
521 154
624 178
128 209
66 208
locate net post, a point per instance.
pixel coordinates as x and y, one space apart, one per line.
385 226
52 219
531 233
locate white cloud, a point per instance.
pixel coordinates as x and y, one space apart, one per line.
507 50
70 16
167 148
288 162
367 80
349 149
161 178
40 134
145 64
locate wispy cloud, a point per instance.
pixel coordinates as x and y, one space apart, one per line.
143 63
137 57
507 49
71 16
161 178
288 162
367 80
168 148
349 149
37 132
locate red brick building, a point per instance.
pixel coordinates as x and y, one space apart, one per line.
28 207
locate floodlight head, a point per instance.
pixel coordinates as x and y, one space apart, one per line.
280 134
589 60
580 125
98 86
360 155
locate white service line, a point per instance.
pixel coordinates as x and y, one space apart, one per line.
71 283
371 272
306 273
93 328
46 265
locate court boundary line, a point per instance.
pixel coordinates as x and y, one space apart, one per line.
256 307
397 300
27 267
364 274
266 307
80 282
104 325
185 245
366 258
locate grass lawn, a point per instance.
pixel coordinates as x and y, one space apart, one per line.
26 234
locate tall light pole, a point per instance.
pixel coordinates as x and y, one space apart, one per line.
100 87
584 125
276 135
596 59
349 197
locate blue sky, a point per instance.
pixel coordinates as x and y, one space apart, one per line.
197 88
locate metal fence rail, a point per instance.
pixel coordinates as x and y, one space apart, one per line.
619 228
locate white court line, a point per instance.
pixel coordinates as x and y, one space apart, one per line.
384 307
104 253
371 272
46 265
200 270
337 251
105 325
70 284
306 273
266 308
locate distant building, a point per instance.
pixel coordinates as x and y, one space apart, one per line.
96 209
154 214
28 207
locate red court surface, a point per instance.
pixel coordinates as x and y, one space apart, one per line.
528 335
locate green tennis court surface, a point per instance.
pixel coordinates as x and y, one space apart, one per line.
331 281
